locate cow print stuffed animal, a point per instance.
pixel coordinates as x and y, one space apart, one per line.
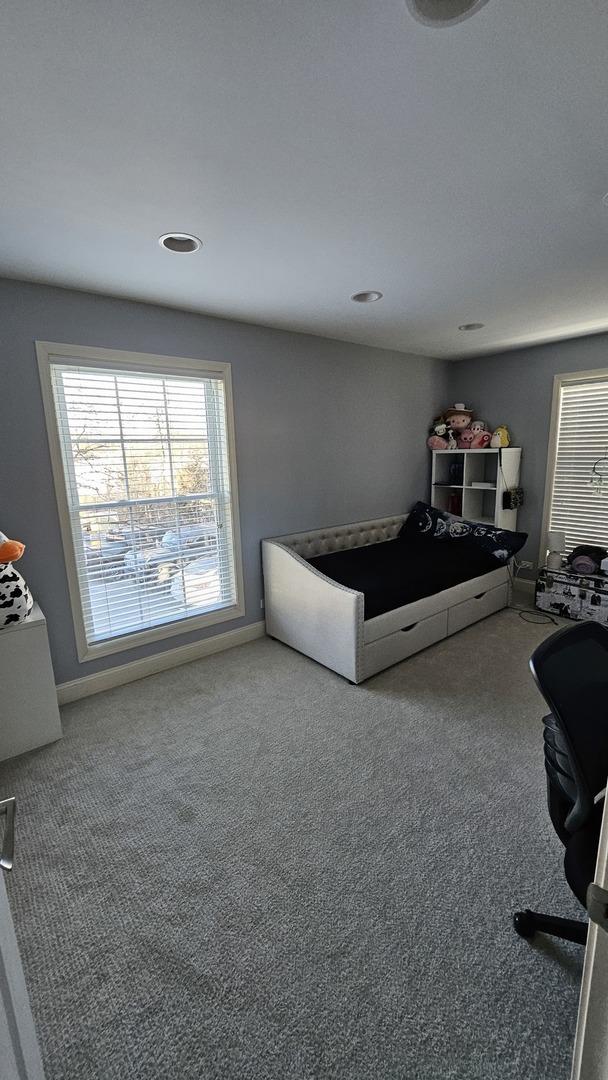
15 598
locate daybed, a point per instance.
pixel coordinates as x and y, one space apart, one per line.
358 598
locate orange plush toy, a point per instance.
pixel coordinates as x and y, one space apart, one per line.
15 597
11 550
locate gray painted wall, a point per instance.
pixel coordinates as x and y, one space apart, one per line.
516 389
327 432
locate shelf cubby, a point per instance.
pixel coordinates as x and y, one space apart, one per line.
498 469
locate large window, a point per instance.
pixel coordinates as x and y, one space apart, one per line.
142 451
578 443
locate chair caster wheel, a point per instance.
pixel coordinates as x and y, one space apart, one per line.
523 922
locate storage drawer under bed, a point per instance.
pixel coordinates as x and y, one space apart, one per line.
398 646
392 648
469 611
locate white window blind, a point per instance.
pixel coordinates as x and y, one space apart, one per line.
582 439
147 474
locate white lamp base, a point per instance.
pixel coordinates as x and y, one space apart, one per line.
554 560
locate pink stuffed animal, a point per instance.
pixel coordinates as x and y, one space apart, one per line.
465 439
481 435
435 442
481 441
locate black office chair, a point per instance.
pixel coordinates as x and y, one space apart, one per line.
571 671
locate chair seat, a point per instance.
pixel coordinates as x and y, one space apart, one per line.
581 855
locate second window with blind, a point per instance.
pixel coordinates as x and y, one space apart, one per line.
143 456
576 501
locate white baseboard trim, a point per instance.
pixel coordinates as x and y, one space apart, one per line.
151 665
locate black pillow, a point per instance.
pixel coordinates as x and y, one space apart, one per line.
432 524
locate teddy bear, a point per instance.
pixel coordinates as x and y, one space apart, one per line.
16 600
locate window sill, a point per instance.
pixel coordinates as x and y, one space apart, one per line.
159 633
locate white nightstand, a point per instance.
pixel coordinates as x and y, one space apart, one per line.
29 716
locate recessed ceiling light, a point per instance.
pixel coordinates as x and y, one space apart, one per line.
443 12
472 326
180 243
366 297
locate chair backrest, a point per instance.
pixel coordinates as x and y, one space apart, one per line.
571 671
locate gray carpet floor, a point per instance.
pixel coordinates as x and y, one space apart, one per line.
247 868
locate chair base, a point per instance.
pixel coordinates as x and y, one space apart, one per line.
527 923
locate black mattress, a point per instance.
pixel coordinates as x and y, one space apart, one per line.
397 572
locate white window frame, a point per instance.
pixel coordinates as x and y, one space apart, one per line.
559 381
49 352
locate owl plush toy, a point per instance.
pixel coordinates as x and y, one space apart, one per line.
15 598
500 437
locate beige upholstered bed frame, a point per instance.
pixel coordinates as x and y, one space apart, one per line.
324 620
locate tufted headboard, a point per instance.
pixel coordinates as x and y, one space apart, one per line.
340 537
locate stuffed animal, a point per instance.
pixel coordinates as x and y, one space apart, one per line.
481 441
458 418
586 559
500 437
465 439
437 438
481 435
441 437
16 600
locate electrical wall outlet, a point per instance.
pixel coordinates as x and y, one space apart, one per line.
525 565
262 603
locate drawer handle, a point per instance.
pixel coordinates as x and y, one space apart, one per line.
480 596
405 629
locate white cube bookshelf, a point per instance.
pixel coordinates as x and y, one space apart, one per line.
486 475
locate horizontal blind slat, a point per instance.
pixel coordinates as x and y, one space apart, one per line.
147 475
576 507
